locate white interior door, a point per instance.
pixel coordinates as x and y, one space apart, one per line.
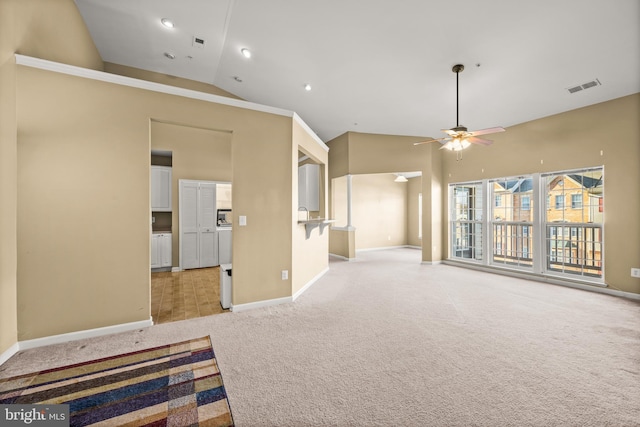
189 241
207 220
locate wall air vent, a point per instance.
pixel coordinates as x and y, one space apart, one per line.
198 42
583 86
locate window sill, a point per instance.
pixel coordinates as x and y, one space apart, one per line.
523 274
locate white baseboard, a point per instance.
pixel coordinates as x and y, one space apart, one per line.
552 280
89 333
340 257
8 353
382 248
236 308
309 283
431 262
259 304
176 269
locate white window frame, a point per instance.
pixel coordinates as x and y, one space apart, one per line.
539 251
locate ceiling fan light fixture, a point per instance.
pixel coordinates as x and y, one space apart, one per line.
400 178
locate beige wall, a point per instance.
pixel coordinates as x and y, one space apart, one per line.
571 140
59 115
166 79
28 27
309 256
197 154
372 154
8 181
338 205
379 211
84 150
342 242
414 188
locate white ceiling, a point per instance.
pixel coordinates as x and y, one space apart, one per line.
384 66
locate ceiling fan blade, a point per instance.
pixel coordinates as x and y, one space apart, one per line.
450 132
481 141
486 131
428 141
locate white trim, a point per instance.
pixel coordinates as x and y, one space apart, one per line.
88 333
381 248
176 269
87 73
552 280
345 228
8 353
306 127
309 283
340 257
431 262
413 247
259 304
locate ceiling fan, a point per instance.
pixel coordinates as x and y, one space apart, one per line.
460 137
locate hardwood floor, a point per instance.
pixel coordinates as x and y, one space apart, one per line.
185 295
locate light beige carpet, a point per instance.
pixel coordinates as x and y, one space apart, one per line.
387 341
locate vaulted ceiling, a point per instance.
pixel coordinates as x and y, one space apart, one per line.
383 66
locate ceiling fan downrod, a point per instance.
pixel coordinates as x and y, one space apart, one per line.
458 68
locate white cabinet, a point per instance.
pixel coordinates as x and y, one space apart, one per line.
197 217
224 246
309 187
161 250
161 188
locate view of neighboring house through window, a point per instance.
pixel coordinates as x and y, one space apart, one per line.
512 222
563 236
574 234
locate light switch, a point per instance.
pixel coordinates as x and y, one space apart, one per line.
242 220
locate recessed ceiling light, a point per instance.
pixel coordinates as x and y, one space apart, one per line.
167 22
169 55
246 52
307 87
238 79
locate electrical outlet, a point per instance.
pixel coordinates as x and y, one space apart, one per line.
285 274
242 220
635 272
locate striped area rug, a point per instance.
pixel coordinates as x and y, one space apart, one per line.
172 385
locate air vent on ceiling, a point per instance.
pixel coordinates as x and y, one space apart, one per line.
198 42
583 86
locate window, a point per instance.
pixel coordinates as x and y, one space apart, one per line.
466 209
511 223
576 249
576 201
569 242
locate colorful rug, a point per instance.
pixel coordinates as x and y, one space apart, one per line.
172 385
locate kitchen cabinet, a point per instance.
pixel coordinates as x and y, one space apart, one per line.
161 188
224 245
309 187
198 234
161 250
